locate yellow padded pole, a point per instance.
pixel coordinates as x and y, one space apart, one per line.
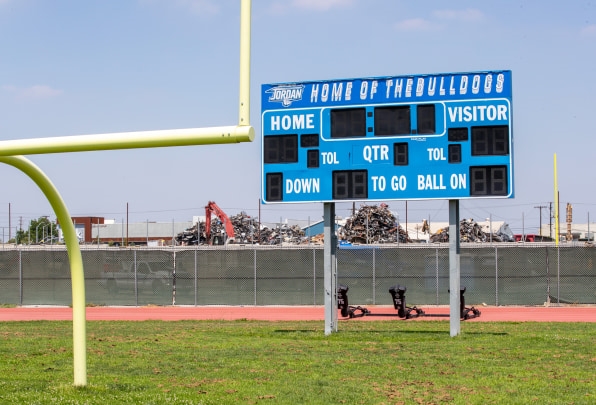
244 107
128 140
74 257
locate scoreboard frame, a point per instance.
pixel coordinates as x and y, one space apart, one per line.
417 137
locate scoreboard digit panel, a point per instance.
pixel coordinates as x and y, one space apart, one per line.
438 136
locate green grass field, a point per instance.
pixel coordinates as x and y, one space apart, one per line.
246 362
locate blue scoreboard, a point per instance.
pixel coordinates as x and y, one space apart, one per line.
435 136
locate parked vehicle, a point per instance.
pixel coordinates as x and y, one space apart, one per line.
152 276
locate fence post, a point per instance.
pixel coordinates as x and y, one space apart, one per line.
195 281
314 275
254 265
174 278
496 276
547 275
20 277
374 278
437 274
558 274
136 278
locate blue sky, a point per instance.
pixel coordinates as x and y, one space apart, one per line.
88 67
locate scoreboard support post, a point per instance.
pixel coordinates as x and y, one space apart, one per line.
330 268
454 269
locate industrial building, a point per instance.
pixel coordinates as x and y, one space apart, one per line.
98 230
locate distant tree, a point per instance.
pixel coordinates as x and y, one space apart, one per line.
21 238
41 230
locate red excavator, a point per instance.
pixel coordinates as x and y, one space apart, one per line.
212 208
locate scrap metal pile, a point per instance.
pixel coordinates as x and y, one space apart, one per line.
290 234
373 224
190 236
246 230
469 231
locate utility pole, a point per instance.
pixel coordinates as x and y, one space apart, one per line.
540 207
126 241
21 229
550 219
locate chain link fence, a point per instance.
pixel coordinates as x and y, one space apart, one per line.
496 274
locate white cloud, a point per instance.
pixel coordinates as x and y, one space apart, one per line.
438 19
285 6
320 5
199 7
416 24
589 31
469 15
35 92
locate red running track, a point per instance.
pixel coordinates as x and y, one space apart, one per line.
291 313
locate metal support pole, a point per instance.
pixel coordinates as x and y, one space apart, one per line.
20 277
254 267
195 280
174 278
136 278
437 275
374 276
314 276
454 269
496 276
558 275
330 268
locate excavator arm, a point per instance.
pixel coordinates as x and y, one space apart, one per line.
213 209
